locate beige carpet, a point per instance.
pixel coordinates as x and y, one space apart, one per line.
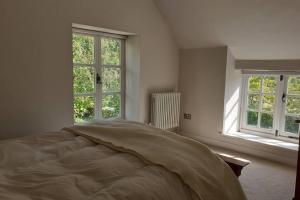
265 180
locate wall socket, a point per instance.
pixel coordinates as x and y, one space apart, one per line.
187 116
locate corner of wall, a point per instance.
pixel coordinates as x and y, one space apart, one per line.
232 99
132 101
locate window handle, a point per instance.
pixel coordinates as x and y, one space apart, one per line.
98 79
283 98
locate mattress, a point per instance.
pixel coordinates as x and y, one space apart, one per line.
112 161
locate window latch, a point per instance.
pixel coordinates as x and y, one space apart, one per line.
283 98
98 79
281 77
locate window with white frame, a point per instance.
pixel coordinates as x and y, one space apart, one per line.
98 75
271 104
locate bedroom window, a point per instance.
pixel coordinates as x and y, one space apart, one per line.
271 104
98 75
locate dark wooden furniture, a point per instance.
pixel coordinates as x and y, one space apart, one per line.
236 164
297 188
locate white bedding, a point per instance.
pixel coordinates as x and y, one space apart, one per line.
65 165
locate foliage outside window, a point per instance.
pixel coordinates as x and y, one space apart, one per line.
97 77
271 104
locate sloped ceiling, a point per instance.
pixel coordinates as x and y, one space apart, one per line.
253 29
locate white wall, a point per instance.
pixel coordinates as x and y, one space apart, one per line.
36 57
133 63
232 99
202 78
210 86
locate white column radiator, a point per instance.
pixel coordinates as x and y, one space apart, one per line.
165 109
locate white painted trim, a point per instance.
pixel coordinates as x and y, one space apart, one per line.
264 135
98 87
112 66
98 69
244 109
123 79
85 29
279 108
85 95
271 65
283 109
270 72
83 65
268 152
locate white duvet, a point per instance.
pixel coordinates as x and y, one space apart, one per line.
113 161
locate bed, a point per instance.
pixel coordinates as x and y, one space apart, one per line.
113 161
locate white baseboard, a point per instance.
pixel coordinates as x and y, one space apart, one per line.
274 153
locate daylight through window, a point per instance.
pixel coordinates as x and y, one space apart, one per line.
98 78
271 104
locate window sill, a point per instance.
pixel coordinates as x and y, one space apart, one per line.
264 140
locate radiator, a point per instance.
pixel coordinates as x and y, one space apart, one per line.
165 109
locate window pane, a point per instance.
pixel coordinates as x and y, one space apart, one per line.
252 118
254 84
270 84
268 103
83 80
111 105
83 49
294 85
290 125
266 121
293 105
110 51
83 108
253 101
111 79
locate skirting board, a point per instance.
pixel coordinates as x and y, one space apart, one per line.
277 154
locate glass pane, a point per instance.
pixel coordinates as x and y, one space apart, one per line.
110 51
111 105
83 49
111 79
83 108
294 85
266 121
83 80
253 101
293 105
270 84
254 84
268 103
252 118
290 125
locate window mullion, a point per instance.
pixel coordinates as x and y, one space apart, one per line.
85 95
98 71
260 101
283 104
83 65
123 79
279 105
245 101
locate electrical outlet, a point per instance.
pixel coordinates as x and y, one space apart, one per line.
187 116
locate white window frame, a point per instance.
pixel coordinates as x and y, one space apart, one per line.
98 66
278 130
283 110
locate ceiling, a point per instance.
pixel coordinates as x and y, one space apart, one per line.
252 29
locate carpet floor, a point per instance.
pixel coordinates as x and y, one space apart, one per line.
264 179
